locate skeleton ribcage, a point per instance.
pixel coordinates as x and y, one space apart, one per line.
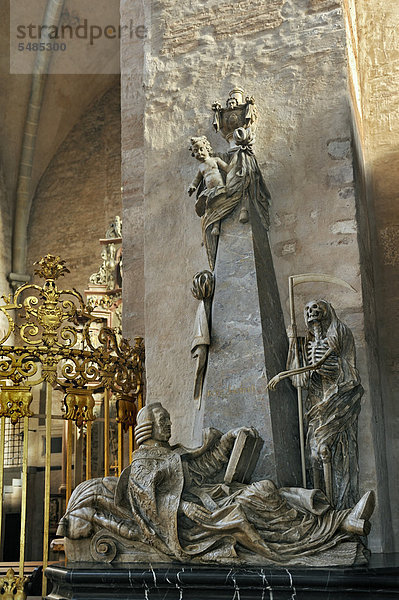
315 350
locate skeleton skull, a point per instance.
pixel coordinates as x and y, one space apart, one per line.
315 310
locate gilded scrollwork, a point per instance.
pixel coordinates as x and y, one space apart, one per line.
64 344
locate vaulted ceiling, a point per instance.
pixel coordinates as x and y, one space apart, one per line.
66 97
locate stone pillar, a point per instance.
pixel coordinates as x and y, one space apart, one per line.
132 119
249 346
373 37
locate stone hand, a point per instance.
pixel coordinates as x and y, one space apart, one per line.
194 511
249 430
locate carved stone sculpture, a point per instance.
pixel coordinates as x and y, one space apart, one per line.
227 180
203 284
110 272
173 504
333 402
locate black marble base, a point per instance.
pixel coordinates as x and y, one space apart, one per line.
380 579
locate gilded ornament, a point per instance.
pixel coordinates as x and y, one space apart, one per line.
126 411
79 405
63 345
51 267
15 402
12 587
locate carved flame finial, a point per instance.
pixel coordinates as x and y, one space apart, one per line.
51 267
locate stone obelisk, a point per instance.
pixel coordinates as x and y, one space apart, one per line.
248 338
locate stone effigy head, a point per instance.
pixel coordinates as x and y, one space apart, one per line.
153 422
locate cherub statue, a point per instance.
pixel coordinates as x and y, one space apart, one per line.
209 174
218 196
175 504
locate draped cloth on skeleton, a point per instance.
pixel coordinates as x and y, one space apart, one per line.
334 410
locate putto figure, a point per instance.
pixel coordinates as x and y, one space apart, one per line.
229 180
208 177
174 504
333 402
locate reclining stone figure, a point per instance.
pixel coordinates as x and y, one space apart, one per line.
172 504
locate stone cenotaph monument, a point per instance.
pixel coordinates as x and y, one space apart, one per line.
226 518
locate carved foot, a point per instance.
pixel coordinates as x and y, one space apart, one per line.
358 519
365 507
215 229
244 217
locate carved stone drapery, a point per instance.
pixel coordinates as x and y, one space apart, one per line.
176 504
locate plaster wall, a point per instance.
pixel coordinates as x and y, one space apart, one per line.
66 99
5 244
79 193
5 236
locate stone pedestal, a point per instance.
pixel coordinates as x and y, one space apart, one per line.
249 346
178 582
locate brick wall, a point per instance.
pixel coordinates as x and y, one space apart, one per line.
80 192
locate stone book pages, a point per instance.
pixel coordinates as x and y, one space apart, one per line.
243 458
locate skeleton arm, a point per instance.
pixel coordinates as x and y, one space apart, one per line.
284 374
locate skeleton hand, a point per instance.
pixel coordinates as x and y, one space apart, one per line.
325 454
273 382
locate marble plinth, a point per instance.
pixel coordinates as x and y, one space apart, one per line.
380 579
248 347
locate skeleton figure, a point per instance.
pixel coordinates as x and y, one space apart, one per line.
333 403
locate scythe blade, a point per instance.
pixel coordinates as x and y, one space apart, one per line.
323 277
